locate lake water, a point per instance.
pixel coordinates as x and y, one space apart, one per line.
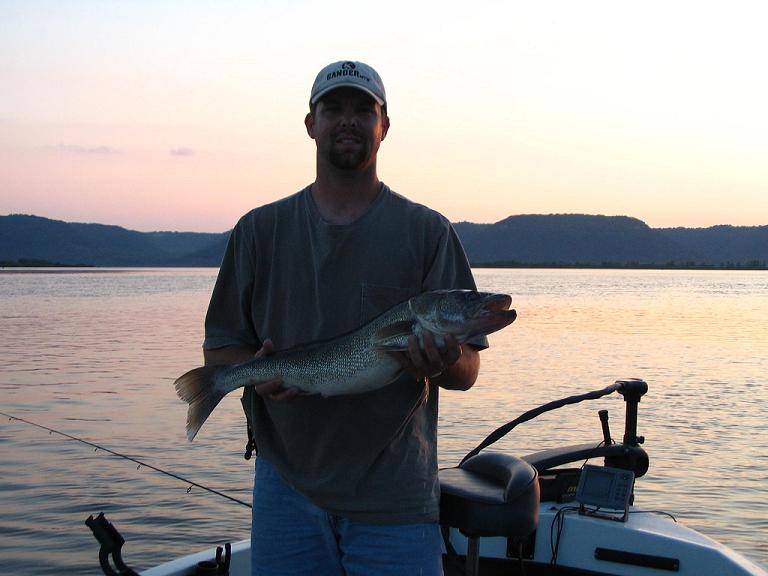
94 354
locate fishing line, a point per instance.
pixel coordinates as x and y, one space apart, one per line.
126 457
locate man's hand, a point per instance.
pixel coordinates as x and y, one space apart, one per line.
452 366
429 360
273 389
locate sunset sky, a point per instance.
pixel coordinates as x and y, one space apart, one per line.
171 115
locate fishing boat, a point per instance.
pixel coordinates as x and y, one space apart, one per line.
545 513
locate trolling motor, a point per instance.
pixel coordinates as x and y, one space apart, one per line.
112 543
627 454
632 457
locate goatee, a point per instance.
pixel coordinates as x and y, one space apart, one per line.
347 160
346 157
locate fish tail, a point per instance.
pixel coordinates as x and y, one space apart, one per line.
197 387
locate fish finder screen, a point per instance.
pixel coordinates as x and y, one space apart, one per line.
600 483
605 487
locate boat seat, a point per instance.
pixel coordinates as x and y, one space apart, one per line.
491 494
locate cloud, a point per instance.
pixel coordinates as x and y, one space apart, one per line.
86 150
181 151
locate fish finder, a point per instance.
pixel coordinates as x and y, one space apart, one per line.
605 488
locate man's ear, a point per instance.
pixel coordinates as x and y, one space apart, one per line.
384 126
309 123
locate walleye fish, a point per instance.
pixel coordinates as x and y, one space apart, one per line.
356 362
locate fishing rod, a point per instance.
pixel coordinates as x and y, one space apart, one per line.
126 457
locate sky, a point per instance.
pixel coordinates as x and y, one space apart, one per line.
183 115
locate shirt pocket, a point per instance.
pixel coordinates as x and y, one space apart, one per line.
377 299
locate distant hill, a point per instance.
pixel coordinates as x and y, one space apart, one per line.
588 240
721 245
570 239
37 238
524 240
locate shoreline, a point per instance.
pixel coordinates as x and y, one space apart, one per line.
747 266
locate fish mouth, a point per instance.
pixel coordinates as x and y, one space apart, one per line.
497 302
493 314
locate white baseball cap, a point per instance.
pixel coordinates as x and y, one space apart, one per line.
347 73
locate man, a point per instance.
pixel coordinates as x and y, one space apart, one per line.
344 485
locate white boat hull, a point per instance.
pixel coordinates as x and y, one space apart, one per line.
644 534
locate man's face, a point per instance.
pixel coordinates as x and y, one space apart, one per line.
347 126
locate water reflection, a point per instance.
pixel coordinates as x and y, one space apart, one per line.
95 355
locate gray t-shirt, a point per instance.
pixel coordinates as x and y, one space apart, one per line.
289 276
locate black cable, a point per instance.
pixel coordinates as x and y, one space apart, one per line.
588 458
136 460
559 521
533 413
662 512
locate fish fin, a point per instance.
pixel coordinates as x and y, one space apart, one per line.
393 337
197 388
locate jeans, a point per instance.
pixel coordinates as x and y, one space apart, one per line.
291 536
